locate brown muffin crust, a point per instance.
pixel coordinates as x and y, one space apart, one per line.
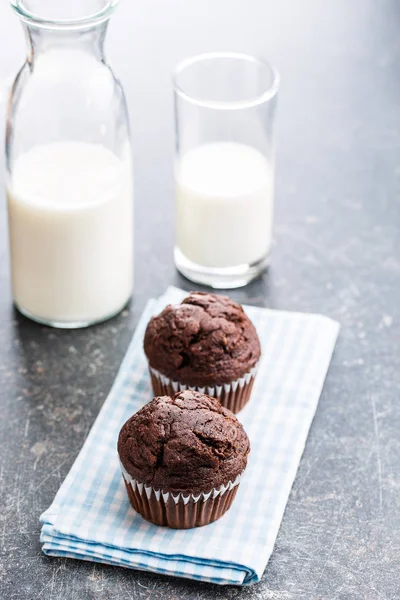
205 341
188 443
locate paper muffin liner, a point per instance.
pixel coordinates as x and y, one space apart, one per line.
231 395
179 511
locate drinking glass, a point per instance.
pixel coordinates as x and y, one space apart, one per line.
225 106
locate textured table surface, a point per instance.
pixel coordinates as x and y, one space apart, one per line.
337 251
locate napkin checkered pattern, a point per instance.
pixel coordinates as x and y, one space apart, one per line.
91 518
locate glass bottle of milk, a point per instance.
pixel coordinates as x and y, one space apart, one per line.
69 172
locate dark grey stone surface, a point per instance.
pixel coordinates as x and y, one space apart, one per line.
337 251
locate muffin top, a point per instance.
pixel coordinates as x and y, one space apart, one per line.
188 443
205 341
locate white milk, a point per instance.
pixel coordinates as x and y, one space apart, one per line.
70 212
224 200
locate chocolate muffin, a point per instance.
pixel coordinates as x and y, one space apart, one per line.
182 459
206 343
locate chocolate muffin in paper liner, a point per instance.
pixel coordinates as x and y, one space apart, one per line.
206 343
182 458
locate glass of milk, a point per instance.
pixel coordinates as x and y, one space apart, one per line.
224 167
69 172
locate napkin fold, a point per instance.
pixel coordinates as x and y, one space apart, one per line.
91 518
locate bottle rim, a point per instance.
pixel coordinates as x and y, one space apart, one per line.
42 21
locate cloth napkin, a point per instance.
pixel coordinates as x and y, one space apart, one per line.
91 518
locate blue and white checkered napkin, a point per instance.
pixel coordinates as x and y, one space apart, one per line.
91 517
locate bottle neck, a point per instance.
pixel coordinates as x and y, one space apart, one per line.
90 41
